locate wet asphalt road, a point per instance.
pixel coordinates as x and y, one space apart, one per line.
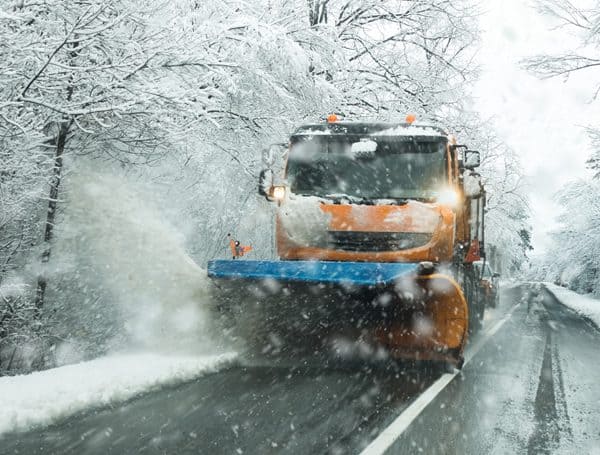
533 388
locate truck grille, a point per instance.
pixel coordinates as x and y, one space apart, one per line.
377 241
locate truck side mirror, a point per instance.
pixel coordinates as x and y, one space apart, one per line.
472 159
496 275
273 154
265 182
269 157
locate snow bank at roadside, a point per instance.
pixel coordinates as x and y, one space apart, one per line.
585 305
41 398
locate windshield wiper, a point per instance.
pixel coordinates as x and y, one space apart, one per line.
338 198
391 201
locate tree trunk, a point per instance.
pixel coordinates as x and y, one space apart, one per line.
60 141
317 12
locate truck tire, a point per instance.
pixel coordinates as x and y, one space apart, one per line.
475 303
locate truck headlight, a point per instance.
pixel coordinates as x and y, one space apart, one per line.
279 193
449 197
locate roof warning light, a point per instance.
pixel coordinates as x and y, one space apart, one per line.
410 118
332 118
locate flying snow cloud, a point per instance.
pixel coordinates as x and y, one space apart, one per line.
160 293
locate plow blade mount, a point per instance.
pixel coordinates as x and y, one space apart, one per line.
340 309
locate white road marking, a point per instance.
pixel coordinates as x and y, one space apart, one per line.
387 437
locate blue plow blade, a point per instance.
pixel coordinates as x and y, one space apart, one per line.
334 272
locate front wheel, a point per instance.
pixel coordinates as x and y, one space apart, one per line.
475 319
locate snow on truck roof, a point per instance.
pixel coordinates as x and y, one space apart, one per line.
371 128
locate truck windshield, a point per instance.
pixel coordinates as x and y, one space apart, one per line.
375 167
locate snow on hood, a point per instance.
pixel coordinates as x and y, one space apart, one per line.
422 217
303 220
306 223
45 397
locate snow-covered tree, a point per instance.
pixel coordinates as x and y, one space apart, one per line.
578 238
407 56
582 22
399 56
508 230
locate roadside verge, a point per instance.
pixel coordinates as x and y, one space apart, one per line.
45 397
584 305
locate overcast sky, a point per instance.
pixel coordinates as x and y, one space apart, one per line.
541 120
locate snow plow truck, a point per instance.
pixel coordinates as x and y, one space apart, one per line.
377 228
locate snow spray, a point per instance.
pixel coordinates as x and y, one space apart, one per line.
159 291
